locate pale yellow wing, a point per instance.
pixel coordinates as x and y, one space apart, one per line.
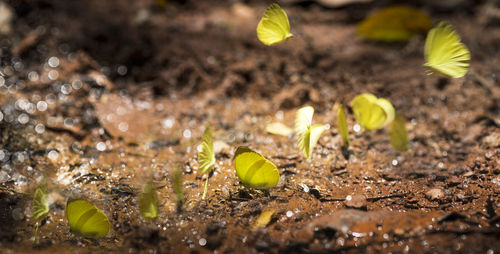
274 27
372 113
445 53
278 128
304 142
303 119
40 203
398 134
86 219
362 107
316 131
254 170
148 201
206 156
388 109
342 125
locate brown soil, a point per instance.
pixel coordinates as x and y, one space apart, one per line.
135 84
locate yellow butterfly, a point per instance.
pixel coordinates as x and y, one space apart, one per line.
254 170
398 135
394 23
148 201
274 27
86 219
445 53
371 112
342 126
40 203
308 134
178 187
206 156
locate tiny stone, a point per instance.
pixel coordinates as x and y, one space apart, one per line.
399 231
202 241
356 201
435 194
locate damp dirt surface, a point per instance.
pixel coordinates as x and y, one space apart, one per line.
100 96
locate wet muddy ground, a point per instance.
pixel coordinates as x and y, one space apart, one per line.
101 96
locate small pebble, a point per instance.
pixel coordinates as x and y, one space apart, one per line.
356 201
435 194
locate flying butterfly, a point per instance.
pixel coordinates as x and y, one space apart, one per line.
371 112
274 27
206 156
308 134
148 201
86 219
394 23
254 170
445 53
398 135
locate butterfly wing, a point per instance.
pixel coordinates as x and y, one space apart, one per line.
342 126
445 53
394 23
398 135
362 106
372 113
274 27
206 157
278 128
316 131
254 170
96 226
84 218
304 142
148 201
40 203
388 109
303 119
375 118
